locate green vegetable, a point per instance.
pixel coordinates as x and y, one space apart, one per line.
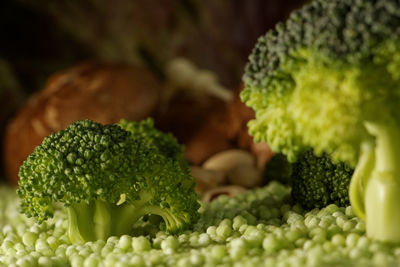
108 178
329 79
316 181
256 228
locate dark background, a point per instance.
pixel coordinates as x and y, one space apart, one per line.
41 37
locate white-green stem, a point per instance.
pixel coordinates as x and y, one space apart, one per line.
80 223
102 220
382 192
361 175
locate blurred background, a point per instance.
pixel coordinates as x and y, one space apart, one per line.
178 61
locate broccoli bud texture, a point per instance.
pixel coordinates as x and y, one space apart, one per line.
317 181
108 177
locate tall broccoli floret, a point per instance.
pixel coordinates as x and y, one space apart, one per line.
329 79
107 179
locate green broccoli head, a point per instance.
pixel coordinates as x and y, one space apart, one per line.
107 178
318 182
329 79
78 164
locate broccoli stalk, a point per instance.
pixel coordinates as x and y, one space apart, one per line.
377 183
99 219
329 79
361 176
108 178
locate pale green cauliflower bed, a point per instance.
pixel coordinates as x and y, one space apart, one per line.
256 228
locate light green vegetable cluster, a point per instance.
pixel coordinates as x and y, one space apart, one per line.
256 228
329 79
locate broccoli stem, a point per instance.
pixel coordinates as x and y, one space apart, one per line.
80 228
129 214
99 220
361 175
382 187
102 220
89 221
171 220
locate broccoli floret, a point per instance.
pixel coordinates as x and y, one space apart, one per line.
108 178
329 79
317 181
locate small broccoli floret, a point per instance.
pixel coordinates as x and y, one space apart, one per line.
329 79
318 182
107 178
